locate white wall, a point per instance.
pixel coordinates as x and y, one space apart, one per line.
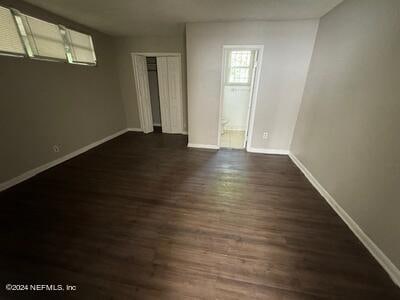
287 52
44 103
235 106
347 134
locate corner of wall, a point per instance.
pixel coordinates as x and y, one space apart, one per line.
305 83
368 243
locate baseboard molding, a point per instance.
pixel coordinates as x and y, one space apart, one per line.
376 252
20 178
135 129
268 151
203 146
250 149
156 124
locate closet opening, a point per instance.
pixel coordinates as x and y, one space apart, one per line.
154 92
158 83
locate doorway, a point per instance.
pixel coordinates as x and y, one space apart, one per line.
154 92
240 75
158 82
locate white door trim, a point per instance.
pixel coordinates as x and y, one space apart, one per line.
155 54
255 87
254 66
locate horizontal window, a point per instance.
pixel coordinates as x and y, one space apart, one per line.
81 47
44 38
22 35
10 40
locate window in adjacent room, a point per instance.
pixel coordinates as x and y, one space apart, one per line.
239 67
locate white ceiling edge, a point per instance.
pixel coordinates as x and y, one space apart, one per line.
139 18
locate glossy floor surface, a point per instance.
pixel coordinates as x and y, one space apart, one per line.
232 139
144 217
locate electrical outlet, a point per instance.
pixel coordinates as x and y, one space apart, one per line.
56 148
265 135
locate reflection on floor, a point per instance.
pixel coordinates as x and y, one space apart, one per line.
145 217
232 139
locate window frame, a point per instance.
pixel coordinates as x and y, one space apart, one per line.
10 53
21 24
24 35
69 45
228 68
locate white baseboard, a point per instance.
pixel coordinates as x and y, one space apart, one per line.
156 124
267 151
20 178
135 129
203 146
141 130
377 253
250 149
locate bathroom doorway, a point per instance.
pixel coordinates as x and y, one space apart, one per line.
239 87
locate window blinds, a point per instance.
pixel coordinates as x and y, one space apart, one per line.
81 47
10 41
22 35
44 38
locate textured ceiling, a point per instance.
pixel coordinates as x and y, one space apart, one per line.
167 17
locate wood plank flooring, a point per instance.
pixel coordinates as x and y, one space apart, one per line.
144 217
233 139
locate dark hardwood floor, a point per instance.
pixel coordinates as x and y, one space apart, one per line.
144 217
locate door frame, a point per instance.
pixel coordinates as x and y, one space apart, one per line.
157 54
254 91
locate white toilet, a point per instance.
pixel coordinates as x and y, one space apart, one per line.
224 123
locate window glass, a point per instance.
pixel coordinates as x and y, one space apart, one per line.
239 68
22 34
10 41
240 58
44 38
81 47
